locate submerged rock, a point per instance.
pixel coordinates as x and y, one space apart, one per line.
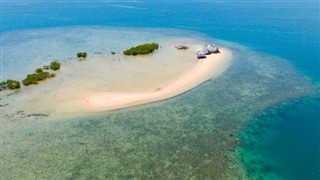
37 115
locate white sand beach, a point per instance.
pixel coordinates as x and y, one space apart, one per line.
201 71
109 82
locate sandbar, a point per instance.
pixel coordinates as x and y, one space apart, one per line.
201 71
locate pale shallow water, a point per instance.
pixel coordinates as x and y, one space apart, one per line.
288 29
190 136
100 71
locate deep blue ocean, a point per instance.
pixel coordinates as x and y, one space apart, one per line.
288 29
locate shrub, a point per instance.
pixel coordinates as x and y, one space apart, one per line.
81 54
34 78
42 76
46 67
13 84
29 81
52 75
2 83
39 70
55 65
141 49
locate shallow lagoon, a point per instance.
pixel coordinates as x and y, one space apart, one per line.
193 135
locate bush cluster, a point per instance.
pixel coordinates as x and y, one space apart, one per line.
40 74
31 78
39 70
13 84
81 54
10 84
34 78
3 83
142 49
55 66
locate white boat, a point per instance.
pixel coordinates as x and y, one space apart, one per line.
211 48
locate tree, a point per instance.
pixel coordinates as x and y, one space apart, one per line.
34 78
142 49
39 70
3 83
55 66
13 84
81 54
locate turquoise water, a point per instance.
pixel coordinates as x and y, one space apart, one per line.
289 148
288 137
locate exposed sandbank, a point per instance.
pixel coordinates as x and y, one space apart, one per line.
201 71
126 81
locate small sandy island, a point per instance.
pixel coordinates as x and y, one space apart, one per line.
201 71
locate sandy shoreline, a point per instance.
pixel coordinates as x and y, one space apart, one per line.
200 72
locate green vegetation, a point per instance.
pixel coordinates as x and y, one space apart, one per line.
81 54
39 70
9 84
13 84
141 49
34 78
40 75
55 65
3 83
